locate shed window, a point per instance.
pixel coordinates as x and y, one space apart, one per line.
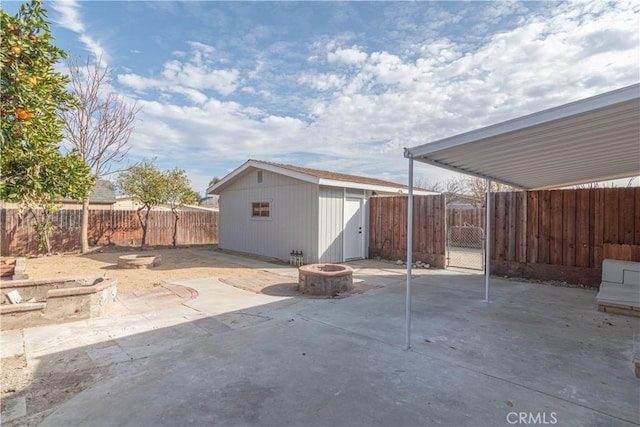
259 177
260 210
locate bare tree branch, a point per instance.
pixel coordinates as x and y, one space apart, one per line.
100 127
102 124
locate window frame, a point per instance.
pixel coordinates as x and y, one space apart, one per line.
260 206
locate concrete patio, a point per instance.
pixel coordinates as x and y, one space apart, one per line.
535 354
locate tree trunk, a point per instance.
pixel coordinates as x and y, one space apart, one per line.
40 226
46 230
175 228
144 223
47 241
84 227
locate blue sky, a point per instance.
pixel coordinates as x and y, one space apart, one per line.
341 86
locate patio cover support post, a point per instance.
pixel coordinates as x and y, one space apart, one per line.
487 242
409 254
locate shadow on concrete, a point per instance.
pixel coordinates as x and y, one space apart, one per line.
287 289
537 350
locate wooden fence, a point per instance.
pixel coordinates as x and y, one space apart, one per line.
388 228
466 216
564 234
549 235
106 227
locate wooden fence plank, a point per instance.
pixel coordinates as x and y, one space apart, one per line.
555 237
626 232
379 219
424 235
569 228
500 225
532 226
511 210
438 224
636 216
582 228
598 228
417 223
374 222
392 224
402 223
521 226
544 233
397 242
429 213
389 224
611 217
385 224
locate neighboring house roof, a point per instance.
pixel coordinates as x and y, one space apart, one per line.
103 192
316 176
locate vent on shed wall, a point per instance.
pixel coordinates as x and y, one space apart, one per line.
259 177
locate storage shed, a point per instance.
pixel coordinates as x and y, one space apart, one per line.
272 209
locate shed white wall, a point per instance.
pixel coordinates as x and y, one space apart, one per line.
294 216
330 224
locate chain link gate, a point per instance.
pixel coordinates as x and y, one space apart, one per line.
465 247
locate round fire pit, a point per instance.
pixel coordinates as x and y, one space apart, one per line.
138 261
325 279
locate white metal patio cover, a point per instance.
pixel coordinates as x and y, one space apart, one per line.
592 139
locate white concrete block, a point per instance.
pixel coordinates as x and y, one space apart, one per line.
613 270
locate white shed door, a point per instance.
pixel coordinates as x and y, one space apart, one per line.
353 229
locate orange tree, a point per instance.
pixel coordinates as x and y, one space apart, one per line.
148 186
34 173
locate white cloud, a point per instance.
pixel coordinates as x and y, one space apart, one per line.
201 47
322 82
191 77
364 104
351 56
137 82
203 135
391 102
69 17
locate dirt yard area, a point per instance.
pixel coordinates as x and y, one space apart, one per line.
58 385
176 264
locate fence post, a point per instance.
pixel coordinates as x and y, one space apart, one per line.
487 263
409 254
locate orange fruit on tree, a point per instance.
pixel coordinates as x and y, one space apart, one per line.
16 50
23 114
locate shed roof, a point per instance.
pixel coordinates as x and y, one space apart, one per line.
315 176
593 139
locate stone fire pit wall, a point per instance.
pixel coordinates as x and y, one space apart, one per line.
325 279
138 261
56 300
